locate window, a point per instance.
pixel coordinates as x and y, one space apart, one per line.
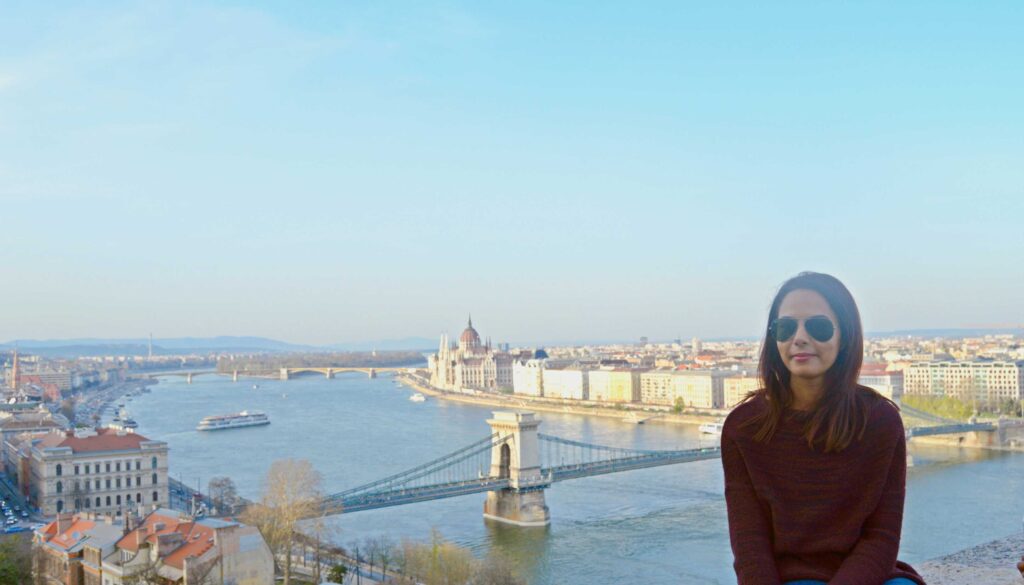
60 506
98 502
108 500
119 500
155 496
60 470
153 462
108 467
60 487
138 480
87 503
138 498
117 466
154 479
108 483
138 464
87 469
118 482
76 470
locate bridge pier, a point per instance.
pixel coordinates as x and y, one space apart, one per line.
188 378
518 459
329 373
284 374
372 373
234 376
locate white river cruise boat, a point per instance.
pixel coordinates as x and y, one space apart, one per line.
714 428
233 421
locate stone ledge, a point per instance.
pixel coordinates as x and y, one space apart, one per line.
992 563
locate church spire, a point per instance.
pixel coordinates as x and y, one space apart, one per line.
471 320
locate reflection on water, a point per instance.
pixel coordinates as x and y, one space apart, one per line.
662 525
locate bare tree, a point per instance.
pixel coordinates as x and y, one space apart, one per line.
385 554
495 570
224 494
291 493
438 562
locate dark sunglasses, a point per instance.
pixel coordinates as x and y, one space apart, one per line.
819 327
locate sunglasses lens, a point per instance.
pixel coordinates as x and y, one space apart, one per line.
820 328
783 328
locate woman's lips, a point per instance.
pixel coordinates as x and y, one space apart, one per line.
802 357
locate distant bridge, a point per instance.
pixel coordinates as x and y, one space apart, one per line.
187 374
283 373
329 371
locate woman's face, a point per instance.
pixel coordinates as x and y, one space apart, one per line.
804 356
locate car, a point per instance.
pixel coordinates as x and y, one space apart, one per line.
13 529
24 514
10 522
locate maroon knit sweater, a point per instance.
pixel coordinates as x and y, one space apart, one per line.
799 513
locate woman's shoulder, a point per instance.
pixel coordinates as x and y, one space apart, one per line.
743 412
883 414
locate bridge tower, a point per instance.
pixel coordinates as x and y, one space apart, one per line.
517 459
284 373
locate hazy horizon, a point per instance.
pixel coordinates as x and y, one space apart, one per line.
333 173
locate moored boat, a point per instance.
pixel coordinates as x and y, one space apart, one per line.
714 428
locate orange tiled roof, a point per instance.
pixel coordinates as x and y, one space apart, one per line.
197 539
104 440
130 540
66 539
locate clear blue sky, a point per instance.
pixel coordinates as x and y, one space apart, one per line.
350 171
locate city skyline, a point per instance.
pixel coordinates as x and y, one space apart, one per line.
348 173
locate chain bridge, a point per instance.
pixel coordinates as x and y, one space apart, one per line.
514 465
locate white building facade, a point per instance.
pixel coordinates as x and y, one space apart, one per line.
471 365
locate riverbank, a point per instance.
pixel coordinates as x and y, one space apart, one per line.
992 563
626 413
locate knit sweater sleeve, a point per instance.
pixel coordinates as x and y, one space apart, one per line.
749 526
874 556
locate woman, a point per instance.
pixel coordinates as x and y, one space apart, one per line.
815 464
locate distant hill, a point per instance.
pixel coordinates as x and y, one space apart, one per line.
164 346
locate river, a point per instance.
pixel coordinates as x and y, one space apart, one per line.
656 526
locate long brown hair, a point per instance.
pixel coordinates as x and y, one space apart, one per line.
842 412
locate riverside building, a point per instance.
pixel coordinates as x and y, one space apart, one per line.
471 365
567 382
886 383
736 388
528 376
104 470
990 381
614 385
705 389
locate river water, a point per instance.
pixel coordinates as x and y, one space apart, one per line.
656 526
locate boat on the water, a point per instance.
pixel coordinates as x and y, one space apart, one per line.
233 421
417 397
714 428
